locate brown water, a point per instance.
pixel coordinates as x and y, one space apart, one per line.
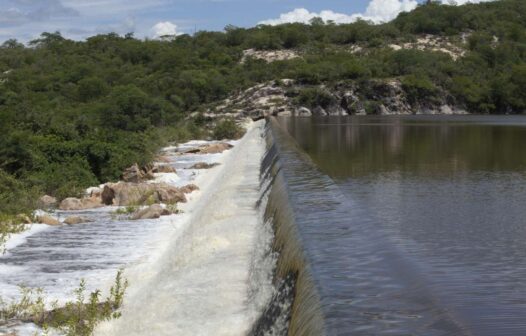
414 225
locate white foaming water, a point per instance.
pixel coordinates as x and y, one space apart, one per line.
57 258
208 277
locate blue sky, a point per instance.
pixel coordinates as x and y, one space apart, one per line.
77 19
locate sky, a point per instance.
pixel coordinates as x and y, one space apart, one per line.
77 19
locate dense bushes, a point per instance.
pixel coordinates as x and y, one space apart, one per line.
74 114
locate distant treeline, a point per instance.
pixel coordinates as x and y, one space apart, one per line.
73 114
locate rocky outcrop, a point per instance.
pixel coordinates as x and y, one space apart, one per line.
376 96
269 55
47 202
152 212
86 203
125 194
73 220
204 165
433 43
48 220
136 174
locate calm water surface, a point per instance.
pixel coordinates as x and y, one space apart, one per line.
415 225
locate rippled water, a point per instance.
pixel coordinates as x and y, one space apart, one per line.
414 225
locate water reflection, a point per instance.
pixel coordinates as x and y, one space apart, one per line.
354 146
426 233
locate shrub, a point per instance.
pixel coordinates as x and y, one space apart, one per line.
227 129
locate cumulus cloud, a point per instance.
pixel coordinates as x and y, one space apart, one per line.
377 11
164 29
386 10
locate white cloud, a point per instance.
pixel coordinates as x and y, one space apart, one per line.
302 15
387 10
377 11
163 29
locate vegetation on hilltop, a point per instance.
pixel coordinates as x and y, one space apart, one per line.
74 114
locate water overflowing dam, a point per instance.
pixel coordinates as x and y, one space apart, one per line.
332 227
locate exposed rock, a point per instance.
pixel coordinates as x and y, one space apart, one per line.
125 194
269 55
133 174
47 202
163 169
152 212
303 112
48 220
204 165
73 203
108 194
433 43
319 111
187 189
94 192
215 148
169 195
76 220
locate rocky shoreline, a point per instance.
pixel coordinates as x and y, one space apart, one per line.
288 98
146 197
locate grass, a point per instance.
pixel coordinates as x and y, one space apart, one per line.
9 225
76 318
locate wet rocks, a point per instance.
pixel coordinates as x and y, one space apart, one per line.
73 203
48 220
152 212
204 165
163 168
126 194
73 220
135 174
215 148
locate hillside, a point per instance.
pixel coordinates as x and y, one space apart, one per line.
75 114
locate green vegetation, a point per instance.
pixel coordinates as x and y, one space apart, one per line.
75 114
227 129
75 318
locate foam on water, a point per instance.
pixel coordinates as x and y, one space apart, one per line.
212 276
57 258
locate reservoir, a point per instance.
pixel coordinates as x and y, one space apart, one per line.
412 225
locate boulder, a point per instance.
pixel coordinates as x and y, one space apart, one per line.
94 192
72 203
303 112
126 194
187 189
319 111
164 169
75 220
48 220
204 165
215 148
133 174
169 195
47 202
152 212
